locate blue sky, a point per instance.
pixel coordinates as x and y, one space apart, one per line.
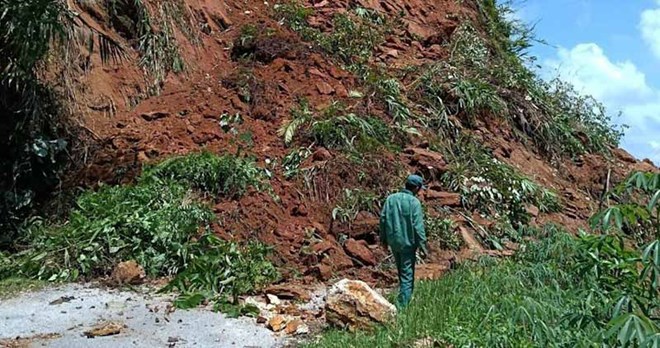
609 49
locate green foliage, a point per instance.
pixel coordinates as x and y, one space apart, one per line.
11 286
152 34
337 129
353 36
494 188
353 202
150 223
520 302
32 134
226 175
160 223
444 231
220 271
291 162
491 77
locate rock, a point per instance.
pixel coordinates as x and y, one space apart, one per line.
317 72
322 247
431 162
324 272
299 210
338 260
128 272
288 292
448 199
277 323
324 88
293 326
533 210
321 154
62 300
360 251
104 329
354 305
154 115
272 299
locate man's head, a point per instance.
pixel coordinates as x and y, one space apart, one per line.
414 183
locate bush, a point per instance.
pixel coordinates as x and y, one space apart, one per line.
351 40
494 188
518 302
151 223
159 222
220 271
225 175
444 232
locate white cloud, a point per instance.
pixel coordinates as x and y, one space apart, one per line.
620 86
649 25
588 68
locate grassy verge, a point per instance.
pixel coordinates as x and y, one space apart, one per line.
13 286
520 302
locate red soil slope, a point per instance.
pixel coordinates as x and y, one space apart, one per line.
185 117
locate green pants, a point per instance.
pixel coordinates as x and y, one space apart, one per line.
405 265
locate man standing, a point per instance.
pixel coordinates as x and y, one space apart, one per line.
402 229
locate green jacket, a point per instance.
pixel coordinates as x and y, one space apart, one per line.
402 222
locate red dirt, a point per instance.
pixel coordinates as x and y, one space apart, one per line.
185 117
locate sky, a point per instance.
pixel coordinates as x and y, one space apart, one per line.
609 49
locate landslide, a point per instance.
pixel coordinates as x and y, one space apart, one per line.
227 76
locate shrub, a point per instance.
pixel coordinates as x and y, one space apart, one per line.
494 188
149 222
353 36
226 175
353 202
444 231
220 271
159 222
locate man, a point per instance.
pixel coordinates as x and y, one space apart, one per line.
402 229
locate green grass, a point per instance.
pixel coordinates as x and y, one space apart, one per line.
520 302
11 287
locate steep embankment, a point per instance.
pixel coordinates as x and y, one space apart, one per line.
377 88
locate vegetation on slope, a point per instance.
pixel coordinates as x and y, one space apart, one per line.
160 222
559 291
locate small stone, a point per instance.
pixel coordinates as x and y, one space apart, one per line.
324 271
104 329
277 323
293 326
154 115
533 210
324 88
448 199
262 320
272 299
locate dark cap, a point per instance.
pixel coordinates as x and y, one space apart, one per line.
416 180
